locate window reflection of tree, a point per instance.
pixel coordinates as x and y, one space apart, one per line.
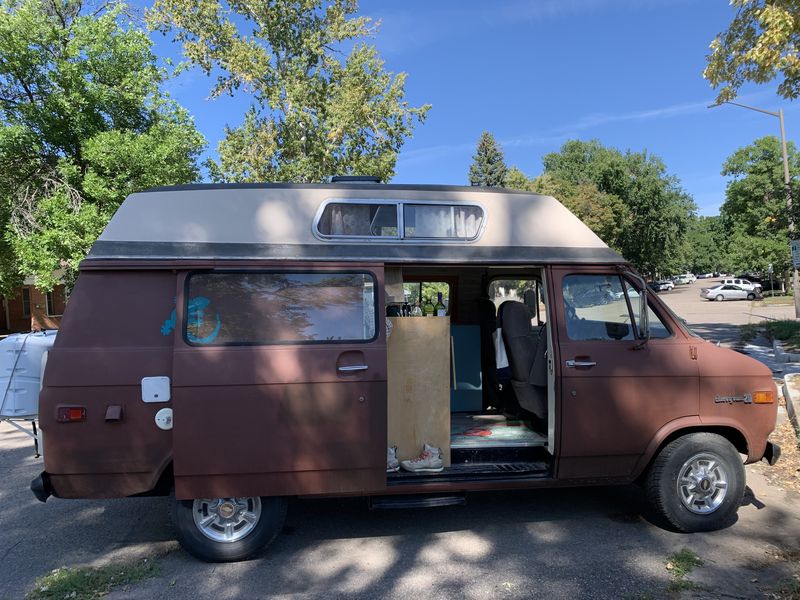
284 307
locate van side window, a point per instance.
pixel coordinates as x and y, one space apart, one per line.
253 308
527 291
657 328
362 220
441 221
596 309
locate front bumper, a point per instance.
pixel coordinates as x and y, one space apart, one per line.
772 453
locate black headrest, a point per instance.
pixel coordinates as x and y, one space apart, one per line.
516 318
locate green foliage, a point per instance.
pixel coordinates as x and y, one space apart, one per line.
761 43
680 564
82 124
89 583
642 210
787 330
315 111
754 216
488 168
705 246
603 213
517 180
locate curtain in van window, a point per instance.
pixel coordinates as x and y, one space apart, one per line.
441 221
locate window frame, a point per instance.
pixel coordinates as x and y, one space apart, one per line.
186 298
50 304
634 323
540 290
401 238
29 312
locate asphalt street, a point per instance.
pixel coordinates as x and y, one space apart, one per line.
566 543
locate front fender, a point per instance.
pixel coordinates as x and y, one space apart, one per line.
693 424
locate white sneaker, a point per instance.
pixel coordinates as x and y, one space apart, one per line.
430 461
392 464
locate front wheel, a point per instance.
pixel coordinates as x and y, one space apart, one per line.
227 529
751 296
697 482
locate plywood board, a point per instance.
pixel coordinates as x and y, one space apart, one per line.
419 385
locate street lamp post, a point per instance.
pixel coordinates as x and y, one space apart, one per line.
788 188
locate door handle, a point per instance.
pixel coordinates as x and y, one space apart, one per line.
572 364
351 368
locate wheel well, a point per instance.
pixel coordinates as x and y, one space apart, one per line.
734 436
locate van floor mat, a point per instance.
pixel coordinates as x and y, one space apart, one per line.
468 471
484 431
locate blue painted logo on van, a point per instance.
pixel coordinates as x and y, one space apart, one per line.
195 319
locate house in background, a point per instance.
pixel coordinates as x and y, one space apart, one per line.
30 308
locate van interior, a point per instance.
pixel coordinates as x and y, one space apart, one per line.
500 408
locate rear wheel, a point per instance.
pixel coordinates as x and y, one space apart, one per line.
697 482
719 298
227 529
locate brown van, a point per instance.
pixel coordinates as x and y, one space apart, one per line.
237 345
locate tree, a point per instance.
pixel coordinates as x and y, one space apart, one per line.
761 42
705 248
82 124
603 213
313 113
656 210
754 213
517 180
488 168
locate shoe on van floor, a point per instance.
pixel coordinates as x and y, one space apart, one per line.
430 461
392 464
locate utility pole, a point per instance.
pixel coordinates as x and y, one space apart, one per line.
787 183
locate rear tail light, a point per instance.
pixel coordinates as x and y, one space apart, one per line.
71 414
763 397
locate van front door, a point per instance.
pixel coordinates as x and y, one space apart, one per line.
616 392
279 382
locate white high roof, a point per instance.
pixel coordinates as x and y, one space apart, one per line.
275 222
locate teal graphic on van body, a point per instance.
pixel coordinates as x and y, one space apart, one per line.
195 321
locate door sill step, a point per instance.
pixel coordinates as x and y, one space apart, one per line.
416 501
472 472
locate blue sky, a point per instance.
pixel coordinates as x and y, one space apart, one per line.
536 73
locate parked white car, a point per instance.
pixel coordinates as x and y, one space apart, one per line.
745 284
683 279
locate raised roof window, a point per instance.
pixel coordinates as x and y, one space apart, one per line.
398 220
442 221
358 220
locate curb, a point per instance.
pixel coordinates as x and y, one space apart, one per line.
791 392
781 355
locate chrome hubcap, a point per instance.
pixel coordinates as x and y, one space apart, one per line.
702 483
226 519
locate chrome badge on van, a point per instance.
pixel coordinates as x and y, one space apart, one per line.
746 399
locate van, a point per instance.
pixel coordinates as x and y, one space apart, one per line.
228 345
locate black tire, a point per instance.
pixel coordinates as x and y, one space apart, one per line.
751 296
669 469
199 545
719 298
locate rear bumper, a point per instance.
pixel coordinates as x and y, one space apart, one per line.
41 487
772 453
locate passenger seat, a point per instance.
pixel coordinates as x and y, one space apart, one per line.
526 349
